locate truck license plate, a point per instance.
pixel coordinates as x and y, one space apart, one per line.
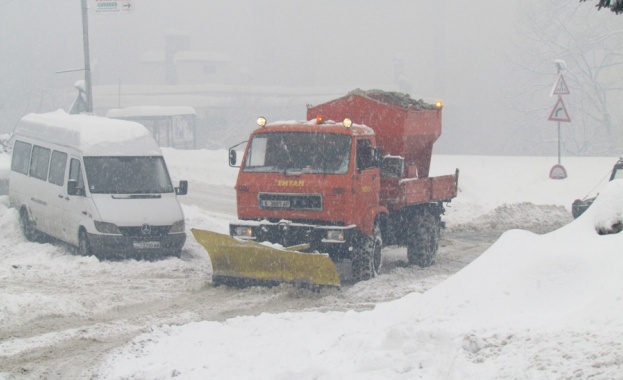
275 204
146 244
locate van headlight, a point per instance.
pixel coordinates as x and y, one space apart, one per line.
177 227
107 228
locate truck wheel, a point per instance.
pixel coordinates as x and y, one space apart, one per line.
28 227
84 247
367 258
423 240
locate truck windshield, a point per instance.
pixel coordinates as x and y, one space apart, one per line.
127 175
299 152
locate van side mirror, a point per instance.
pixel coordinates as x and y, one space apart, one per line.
183 189
73 189
232 157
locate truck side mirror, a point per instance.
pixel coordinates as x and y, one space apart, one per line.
377 157
183 189
232 157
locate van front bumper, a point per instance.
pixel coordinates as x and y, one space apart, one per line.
136 246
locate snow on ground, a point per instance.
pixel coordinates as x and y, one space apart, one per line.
530 307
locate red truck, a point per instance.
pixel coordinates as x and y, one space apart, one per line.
347 182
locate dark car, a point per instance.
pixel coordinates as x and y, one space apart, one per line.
580 205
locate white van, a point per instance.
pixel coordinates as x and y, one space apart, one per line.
99 184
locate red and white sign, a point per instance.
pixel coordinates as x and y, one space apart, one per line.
560 88
559 112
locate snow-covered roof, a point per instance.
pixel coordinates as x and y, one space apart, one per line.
91 135
149 111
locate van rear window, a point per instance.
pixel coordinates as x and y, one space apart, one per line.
21 157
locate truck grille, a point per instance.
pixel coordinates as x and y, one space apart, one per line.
272 201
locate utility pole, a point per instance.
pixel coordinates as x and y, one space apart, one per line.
87 60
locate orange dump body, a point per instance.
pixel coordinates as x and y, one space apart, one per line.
403 128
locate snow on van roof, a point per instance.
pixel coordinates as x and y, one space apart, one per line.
92 135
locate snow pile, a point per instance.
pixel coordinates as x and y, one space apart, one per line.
532 306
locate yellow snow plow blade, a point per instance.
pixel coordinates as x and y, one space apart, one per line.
247 262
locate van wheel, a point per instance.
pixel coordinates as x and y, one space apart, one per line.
28 227
84 247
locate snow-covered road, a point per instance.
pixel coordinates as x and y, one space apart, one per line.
61 314
85 307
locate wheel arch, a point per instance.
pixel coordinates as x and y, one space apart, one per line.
371 217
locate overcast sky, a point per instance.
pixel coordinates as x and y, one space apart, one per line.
452 50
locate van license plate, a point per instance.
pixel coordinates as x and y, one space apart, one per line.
146 244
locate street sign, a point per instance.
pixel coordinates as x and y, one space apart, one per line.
560 88
108 6
559 112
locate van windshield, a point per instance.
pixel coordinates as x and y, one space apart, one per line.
127 175
299 152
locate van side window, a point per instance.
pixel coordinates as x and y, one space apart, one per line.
57 168
40 162
75 173
21 157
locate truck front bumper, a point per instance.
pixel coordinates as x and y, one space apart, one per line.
337 241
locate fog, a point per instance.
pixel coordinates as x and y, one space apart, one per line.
471 55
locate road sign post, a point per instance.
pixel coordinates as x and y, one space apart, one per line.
559 114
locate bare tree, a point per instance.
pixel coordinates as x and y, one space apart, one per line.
615 6
593 51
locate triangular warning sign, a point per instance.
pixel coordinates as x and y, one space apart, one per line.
559 112
560 88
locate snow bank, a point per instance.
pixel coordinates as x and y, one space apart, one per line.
532 306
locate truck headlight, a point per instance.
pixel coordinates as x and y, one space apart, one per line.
336 235
177 227
107 228
242 231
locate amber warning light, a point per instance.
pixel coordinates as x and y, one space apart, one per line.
439 104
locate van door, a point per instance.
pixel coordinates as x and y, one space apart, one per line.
76 207
40 196
59 198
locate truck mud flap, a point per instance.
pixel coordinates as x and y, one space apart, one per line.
242 263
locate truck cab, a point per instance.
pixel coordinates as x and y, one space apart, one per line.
312 182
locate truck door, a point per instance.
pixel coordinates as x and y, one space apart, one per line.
366 184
